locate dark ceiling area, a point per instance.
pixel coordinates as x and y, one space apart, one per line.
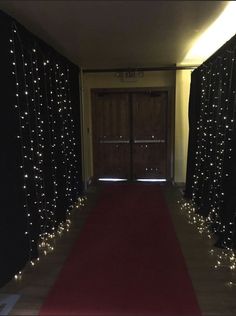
117 34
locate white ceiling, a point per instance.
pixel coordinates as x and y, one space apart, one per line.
117 34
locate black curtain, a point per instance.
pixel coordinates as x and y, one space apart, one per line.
40 163
211 170
194 101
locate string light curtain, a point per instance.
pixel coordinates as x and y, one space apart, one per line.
211 169
40 145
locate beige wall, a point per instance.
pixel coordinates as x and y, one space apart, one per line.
181 123
150 79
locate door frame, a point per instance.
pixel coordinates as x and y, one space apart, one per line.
170 119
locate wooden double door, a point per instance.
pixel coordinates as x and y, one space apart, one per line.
130 135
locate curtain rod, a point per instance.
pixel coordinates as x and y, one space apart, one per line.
167 68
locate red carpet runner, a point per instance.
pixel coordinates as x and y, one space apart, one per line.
126 261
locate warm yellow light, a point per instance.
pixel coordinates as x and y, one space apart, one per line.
214 37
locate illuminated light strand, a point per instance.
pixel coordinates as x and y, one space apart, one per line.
225 257
49 102
54 138
73 156
60 109
39 129
47 244
18 276
213 158
21 140
42 208
52 208
64 107
72 167
38 90
211 143
40 205
34 145
75 160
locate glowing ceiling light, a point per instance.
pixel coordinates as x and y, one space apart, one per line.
214 37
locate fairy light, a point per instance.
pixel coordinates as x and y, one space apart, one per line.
21 138
209 208
48 139
52 122
62 108
18 276
75 145
225 257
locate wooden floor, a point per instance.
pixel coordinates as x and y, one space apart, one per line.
215 296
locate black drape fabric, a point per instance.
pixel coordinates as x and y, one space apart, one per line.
210 180
40 161
194 100
13 244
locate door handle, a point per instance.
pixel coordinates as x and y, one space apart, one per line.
114 141
149 141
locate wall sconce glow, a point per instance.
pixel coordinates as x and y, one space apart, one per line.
214 37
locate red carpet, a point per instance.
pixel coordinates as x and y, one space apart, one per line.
126 261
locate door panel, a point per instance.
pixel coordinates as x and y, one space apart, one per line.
111 135
149 161
150 135
114 161
111 117
130 135
149 115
